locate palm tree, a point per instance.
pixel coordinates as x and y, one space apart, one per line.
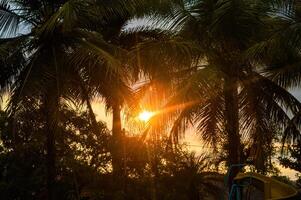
59 40
226 94
121 42
280 53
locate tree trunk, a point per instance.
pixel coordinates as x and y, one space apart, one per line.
50 164
232 120
232 124
117 154
51 114
117 138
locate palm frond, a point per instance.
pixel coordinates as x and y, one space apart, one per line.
277 93
194 102
67 16
13 62
9 20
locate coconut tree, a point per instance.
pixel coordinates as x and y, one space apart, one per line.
281 55
226 95
57 31
122 42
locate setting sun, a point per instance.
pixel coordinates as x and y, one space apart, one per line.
145 116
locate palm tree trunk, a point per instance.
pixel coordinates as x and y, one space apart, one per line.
51 114
232 120
50 163
117 141
232 124
117 153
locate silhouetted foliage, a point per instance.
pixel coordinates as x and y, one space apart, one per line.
80 153
292 158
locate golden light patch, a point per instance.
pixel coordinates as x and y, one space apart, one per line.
145 115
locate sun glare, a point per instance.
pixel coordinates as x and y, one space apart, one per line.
145 115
